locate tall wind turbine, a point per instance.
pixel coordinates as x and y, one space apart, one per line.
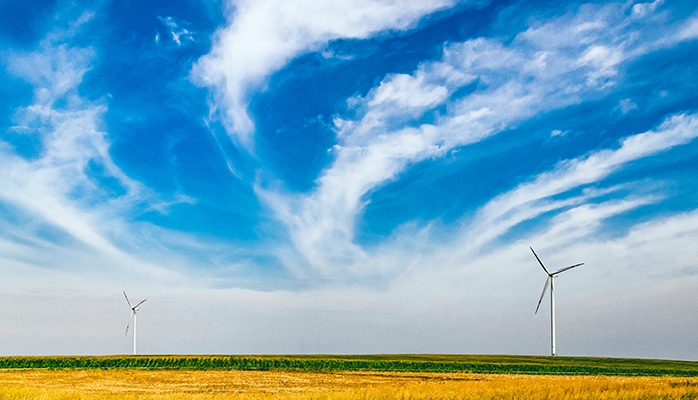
550 281
133 314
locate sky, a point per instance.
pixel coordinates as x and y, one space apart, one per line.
354 176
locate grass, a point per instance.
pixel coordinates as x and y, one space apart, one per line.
345 377
479 364
125 384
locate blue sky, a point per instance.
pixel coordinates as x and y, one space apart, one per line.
359 176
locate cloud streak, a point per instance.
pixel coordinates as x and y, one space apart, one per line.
530 199
262 36
536 73
63 184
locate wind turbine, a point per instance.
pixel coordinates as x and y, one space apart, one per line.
133 314
550 281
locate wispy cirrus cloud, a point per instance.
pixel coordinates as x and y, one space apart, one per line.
178 33
262 36
70 181
576 57
532 199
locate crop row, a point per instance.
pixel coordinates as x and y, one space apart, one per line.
332 364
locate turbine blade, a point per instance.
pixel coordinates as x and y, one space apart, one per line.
547 282
142 301
539 261
129 323
127 300
566 268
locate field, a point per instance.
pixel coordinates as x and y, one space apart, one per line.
345 377
385 363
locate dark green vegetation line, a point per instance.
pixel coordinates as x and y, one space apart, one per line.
386 363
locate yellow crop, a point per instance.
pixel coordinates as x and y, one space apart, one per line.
252 385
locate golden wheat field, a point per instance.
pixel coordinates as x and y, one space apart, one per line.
170 385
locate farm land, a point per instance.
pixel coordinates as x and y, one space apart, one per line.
345 377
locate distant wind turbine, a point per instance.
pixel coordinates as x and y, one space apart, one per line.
134 309
550 281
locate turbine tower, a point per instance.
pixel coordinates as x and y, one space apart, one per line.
551 281
133 314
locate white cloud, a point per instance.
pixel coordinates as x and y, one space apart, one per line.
642 9
263 35
627 105
57 187
689 31
400 90
530 199
179 33
566 60
604 60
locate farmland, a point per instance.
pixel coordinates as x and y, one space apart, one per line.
385 363
345 377
197 384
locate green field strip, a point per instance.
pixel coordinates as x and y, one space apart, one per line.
385 363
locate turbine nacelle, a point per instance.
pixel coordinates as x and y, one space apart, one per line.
133 315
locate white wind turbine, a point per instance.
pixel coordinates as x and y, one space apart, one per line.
550 281
134 309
